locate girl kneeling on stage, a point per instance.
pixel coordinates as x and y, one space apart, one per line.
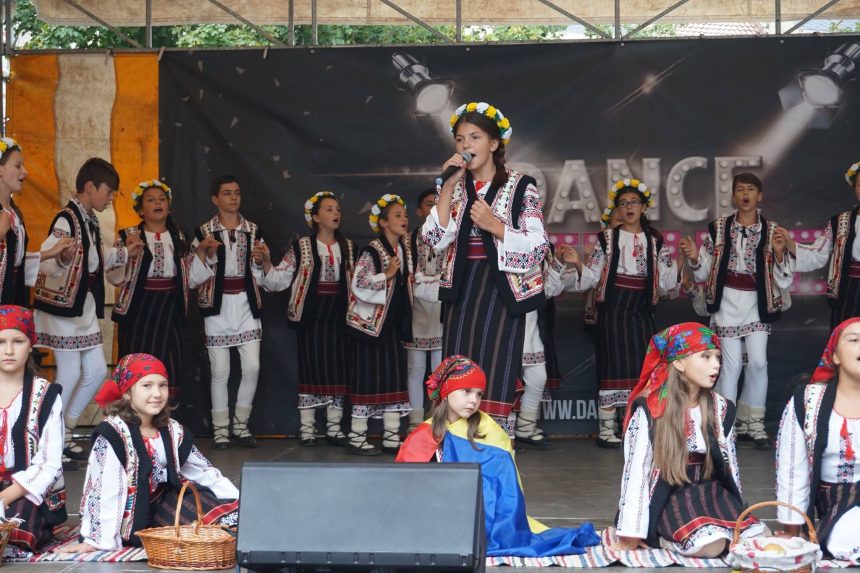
681 488
818 465
459 432
139 459
31 436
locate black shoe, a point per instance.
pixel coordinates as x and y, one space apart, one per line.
606 444
221 445
70 465
761 444
249 441
357 451
541 444
80 456
339 441
308 443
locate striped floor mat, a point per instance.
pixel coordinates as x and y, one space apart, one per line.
68 535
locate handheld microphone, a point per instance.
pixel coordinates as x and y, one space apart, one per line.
452 169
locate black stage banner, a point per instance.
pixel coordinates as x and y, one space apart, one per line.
683 116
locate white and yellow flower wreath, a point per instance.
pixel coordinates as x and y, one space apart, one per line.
7 143
381 204
309 205
629 183
606 216
852 173
488 110
144 185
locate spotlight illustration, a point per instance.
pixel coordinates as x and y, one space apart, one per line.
821 89
432 95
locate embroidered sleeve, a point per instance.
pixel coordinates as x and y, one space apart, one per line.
667 269
46 466
104 498
198 271
703 267
553 281
31 268
438 237
115 257
697 297
635 480
734 469
592 268
367 284
200 470
53 267
523 248
792 467
783 273
816 255
280 277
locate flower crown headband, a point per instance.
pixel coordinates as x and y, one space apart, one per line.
607 215
634 184
309 205
488 110
381 204
7 143
852 173
144 185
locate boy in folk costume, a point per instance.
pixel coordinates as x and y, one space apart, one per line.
31 436
839 245
227 270
742 260
18 268
817 459
152 287
426 310
317 269
70 293
379 316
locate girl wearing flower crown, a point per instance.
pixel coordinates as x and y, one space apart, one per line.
488 222
681 488
458 431
139 460
838 245
817 459
742 259
19 267
379 315
31 436
152 295
629 269
316 269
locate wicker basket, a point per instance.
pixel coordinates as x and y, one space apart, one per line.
801 555
191 547
6 529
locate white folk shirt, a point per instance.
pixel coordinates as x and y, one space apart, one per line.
46 466
75 332
235 325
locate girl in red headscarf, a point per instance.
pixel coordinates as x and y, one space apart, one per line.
818 464
459 431
139 460
681 488
31 436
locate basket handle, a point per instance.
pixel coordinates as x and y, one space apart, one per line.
812 535
199 519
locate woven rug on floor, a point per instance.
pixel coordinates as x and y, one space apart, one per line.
68 535
602 556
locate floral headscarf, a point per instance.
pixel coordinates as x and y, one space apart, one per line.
454 373
128 371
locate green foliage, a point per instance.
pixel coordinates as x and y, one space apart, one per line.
36 34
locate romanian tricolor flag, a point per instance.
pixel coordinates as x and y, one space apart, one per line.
510 531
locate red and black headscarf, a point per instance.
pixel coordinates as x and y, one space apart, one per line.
454 373
18 318
672 344
826 369
128 371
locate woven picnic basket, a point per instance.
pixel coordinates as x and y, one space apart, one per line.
192 547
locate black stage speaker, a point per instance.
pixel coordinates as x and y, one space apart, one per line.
361 516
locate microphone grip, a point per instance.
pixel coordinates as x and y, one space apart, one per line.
449 171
